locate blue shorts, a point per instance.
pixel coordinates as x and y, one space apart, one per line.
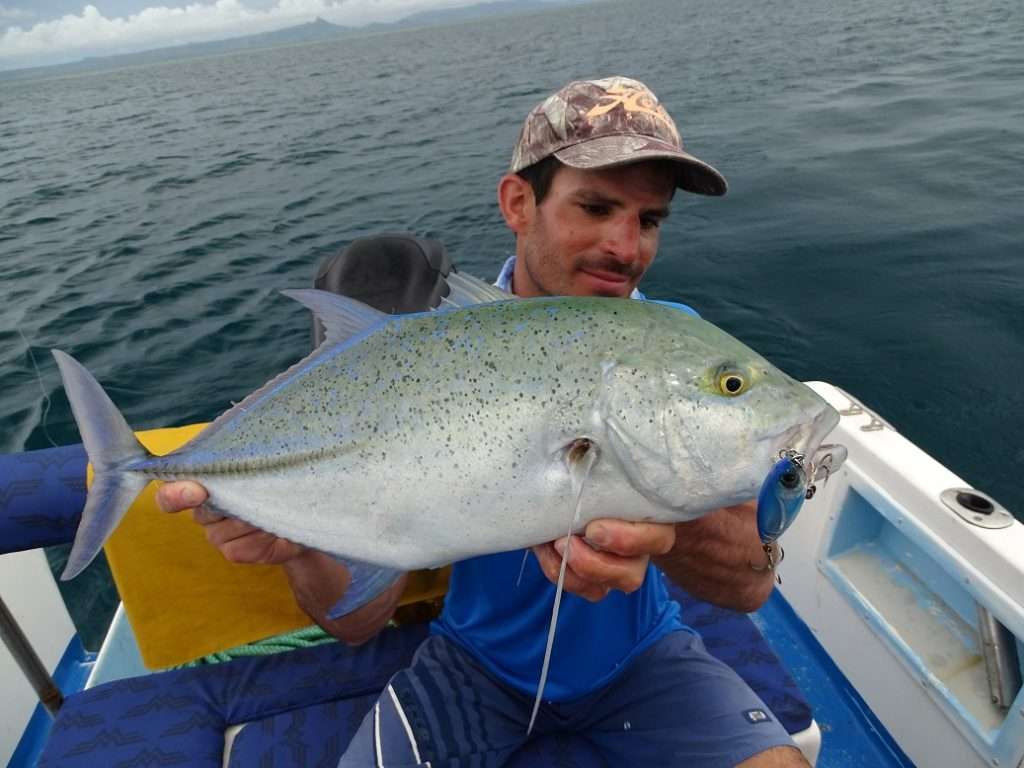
674 705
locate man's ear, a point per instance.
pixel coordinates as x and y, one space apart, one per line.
515 199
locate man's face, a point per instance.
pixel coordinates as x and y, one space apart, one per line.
595 233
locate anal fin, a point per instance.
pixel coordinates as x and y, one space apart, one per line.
367 582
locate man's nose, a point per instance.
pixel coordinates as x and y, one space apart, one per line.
622 239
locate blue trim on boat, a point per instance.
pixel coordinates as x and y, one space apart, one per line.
851 734
70 676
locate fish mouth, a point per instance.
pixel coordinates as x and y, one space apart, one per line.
806 438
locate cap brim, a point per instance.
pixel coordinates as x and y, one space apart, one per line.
609 151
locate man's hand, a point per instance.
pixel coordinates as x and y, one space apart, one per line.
712 559
611 554
239 542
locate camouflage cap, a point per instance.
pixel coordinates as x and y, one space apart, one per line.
603 123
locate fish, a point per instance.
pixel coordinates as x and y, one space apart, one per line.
412 441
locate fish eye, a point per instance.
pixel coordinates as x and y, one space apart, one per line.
731 383
790 479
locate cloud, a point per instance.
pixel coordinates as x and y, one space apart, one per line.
90 33
8 15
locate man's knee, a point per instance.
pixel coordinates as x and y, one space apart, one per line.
776 757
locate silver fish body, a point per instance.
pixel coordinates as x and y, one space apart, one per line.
429 438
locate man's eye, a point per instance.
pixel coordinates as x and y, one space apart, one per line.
650 222
594 209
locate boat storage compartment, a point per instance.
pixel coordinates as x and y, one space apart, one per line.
901 579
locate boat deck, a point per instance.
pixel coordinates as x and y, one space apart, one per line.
851 736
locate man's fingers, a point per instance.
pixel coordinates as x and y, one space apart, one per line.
550 561
258 547
203 516
183 494
605 568
237 541
228 529
630 539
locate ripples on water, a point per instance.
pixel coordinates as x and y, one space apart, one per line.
871 236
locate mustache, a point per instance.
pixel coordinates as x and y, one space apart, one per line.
631 270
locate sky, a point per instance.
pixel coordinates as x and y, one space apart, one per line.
41 32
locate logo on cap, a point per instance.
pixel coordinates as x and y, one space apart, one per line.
632 97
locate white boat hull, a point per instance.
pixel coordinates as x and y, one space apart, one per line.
889 580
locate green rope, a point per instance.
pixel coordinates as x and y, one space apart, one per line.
306 637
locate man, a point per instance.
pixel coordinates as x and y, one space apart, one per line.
592 177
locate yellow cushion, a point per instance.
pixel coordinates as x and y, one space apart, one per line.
183 599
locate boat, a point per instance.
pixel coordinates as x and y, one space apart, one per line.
895 636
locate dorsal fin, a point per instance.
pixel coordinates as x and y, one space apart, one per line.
342 317
467 290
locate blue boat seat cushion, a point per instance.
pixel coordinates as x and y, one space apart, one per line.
301 708
41 497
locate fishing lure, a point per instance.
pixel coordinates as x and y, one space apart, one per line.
788 485
783 493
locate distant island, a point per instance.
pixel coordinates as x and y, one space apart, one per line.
315 31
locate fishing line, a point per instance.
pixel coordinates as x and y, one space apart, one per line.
522 567
42 389
581 457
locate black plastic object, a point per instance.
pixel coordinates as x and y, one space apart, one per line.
395 273
975 503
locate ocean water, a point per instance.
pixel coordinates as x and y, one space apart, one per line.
872 235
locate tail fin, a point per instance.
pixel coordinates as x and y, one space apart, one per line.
110 444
